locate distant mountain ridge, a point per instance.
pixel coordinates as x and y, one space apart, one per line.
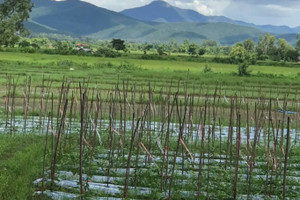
224 33
76 17
161 11
82 19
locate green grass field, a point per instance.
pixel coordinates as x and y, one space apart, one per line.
153 65
132 67
107 72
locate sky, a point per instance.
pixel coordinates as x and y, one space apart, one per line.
260 12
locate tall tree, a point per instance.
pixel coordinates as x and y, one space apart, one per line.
161 49
241 57
12 15
201 51
249 45
185 46
283 47
266 46
298 43
173 46
118 44
146 47
238 54
193 49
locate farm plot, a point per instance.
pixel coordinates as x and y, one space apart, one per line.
138 142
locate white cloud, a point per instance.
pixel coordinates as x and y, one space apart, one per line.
275 13
281 9
196 5
118 5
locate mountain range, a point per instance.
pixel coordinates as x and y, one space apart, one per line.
161 11
155 22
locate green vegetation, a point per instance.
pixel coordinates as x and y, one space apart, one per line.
140 91
197 156
12 15
36 64
118 44
20 164
146 120
147 173
268 49
105 73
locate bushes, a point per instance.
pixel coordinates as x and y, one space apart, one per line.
106 52
122 67
28 50
225 60
154 57
275 63
126 66
207 69
243 69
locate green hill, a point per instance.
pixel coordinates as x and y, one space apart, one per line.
77 18
161 11
37 28
196 32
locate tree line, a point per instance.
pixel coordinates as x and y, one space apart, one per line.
13 13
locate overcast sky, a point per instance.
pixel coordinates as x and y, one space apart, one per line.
275 12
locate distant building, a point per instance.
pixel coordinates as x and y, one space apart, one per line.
81 45
84 47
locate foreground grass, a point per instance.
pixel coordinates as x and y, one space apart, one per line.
20 164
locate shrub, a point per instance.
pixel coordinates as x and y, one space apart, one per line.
207 69
106 52
201 51
126 66
225 60
65 63
28 50
243 69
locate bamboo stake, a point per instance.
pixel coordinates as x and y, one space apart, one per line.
238 144
57 143
134 131
286 159
181 122
82 112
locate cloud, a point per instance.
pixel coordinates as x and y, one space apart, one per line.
211 7
195 5
117 5
265 12
279 9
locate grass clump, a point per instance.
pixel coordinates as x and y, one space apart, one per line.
20 165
